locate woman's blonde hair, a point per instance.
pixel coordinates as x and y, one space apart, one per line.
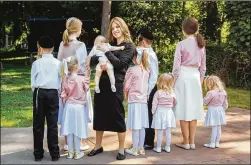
145 60
73 25
165 82
213 82
124 29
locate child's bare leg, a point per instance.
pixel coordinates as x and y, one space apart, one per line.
112 79
97 78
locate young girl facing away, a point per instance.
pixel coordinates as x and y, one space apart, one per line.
216 102
162 109
103 60
136 90
74 96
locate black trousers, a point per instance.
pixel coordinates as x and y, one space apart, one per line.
45 105
150 133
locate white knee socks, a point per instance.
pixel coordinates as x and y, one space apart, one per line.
217 140
73 143
216 134
160 136
168 137
142 134
138 137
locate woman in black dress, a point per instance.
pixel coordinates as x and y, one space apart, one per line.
109 113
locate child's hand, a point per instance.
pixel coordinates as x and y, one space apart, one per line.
87 71
122 47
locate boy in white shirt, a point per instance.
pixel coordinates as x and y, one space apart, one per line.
45 83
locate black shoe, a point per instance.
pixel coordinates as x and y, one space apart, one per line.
55 158
94 152
120 156
38 159
148 147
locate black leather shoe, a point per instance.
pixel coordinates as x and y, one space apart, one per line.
121 156
55 158
148 147
94 152
38 159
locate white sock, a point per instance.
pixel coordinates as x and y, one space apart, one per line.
142 134
70 142
218 134
77 143
135 138
112 79
168 137
97 82
159 138
214 133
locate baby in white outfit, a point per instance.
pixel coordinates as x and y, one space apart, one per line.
102 61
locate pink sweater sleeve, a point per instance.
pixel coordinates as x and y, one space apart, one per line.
155 102
207 99
174 99
177 60
225 103
203 63
63 91
86 83
128 80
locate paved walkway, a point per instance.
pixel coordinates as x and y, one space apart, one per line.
16 146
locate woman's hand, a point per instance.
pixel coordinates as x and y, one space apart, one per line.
103 47
103 67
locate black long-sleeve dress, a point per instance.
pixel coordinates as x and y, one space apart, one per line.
109 113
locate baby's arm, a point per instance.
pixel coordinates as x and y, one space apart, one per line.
115 48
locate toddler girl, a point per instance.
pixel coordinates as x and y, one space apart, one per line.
136 90
103 60
75 123
163 116
216 102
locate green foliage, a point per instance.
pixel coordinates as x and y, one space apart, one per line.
238 14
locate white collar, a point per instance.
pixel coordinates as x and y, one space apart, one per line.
47 55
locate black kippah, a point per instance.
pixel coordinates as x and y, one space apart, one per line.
46 42
146 34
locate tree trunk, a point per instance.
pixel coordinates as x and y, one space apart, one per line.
106 13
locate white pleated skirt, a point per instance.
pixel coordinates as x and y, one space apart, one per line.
215 116
189 97
163 118
137 116
74 121
88 112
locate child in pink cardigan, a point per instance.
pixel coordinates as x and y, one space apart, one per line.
75 124
136 91
216 101
163 116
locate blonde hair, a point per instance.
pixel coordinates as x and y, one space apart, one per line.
165 82
72 65
213 82
73 25
145 60
101 38
124 29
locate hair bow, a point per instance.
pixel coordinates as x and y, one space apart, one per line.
206 77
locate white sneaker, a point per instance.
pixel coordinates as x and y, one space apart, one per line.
142 151
84 148
78 155
210 145
157 149
113 88
217 145
97 90
70 155
167 149
184 146
132 151
66 147
192 146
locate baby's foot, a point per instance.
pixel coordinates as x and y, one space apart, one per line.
113 88
122 47
97 90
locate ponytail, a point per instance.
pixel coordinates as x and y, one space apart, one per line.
145 60
200 40
66 37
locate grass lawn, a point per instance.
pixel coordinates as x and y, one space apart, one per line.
16 95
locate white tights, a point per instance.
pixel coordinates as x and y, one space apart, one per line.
138 137
216 134
73 142
160 136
